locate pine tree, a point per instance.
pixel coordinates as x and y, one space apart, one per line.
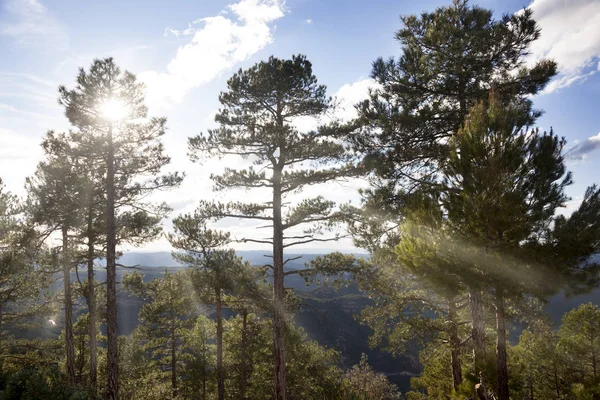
164 318
55 194
214 271
25 268
92 233
366 384
540 364
572 241
251 299
502 187
259 107
580 335
490 224
109 105
245 347
414 277
78 154
451 58
200 361
426 254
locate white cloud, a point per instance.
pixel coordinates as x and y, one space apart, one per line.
258 11
216 47
582 150
28 21
570 35
345 99
349 95
308 21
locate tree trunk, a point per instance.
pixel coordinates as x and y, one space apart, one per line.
454 345
204 378
531 387
278 287
556 381
91 296
220 379
81 358
69 339
112 387
477 331
1 339
173 358
244 361
502 368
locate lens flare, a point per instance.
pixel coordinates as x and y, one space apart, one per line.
113 110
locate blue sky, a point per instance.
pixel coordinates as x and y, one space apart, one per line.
185 51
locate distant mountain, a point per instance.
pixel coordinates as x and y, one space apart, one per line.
164 258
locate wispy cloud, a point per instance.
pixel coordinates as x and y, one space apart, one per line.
220 42
28 77
308 21
571 36
582 150
28 21
190 30
27 86
12 109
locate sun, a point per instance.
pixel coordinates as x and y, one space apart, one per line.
113 109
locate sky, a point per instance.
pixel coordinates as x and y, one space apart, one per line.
184 51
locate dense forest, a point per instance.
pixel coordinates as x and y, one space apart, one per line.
463 234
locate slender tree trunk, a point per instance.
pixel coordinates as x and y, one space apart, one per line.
278 287
1 339
220 379
243 356
204 377
454 345
81 357
595 396
69 339
462 103
501 362
478 336
477 331
556 381
173 358
91 297
112 387
531 393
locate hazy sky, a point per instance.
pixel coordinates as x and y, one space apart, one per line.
185 51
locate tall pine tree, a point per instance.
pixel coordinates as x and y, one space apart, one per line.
109 104
450 60
256 123
55 197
